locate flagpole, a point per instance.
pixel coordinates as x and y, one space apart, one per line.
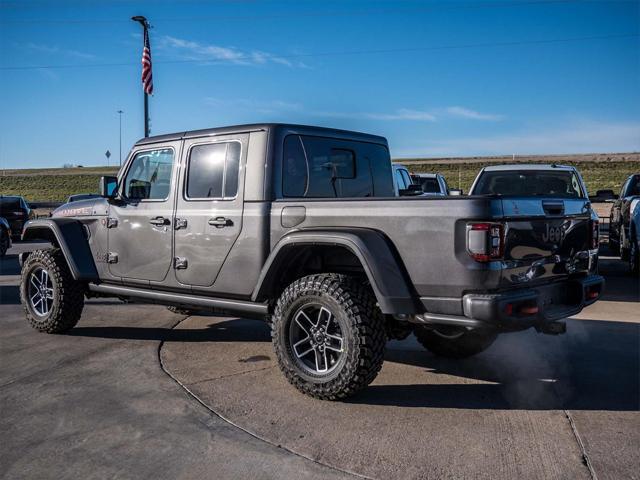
145 29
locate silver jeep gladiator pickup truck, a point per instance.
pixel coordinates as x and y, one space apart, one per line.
301 226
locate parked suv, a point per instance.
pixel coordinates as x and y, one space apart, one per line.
620 217
301 226
17 212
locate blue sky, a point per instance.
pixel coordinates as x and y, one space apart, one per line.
437 78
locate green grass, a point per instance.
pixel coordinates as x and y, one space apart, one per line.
597 175
52 185
57 184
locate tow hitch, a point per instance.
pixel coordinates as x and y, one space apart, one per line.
552 328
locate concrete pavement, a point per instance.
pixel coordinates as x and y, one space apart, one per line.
98 403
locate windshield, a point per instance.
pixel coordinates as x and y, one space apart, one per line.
9 204
558 183
429 185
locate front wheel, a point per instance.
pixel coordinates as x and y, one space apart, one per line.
328 335
51 298
454 342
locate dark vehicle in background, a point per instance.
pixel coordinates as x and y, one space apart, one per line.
621 215
17 212
634 237
431 183
5 236
82 196
302 226
557 181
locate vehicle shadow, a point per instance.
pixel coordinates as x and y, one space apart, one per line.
9 295
9 265
595 367
235 330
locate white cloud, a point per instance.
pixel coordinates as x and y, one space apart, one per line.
209 53
55 50
571 137
463 112
397 115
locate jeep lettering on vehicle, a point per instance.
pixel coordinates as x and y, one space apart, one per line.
553 234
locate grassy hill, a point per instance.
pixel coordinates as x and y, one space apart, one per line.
52 184
600 171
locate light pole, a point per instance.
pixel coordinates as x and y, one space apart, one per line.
120 112
145 33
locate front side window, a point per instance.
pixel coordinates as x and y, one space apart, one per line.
149 176
213 170
402 182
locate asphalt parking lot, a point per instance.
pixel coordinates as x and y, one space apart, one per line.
135 391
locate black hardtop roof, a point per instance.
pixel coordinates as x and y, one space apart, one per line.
254 127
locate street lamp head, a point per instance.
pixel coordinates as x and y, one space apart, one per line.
140 19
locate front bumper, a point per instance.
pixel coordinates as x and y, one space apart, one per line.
523 308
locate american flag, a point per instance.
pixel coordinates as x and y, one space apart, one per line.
147 76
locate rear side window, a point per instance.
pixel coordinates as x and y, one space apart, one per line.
318 167
562 183
213 170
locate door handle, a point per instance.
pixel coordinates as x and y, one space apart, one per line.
220 222
159 221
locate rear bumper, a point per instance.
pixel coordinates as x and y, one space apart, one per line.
523 308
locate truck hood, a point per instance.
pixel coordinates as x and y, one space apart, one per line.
82 208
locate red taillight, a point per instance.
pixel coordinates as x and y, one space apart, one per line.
595 234
485 241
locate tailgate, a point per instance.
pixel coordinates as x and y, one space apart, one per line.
545 238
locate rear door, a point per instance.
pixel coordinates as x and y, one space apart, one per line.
209 206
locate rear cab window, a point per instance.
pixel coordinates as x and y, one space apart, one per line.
323 167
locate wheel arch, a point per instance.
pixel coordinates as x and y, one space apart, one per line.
68 235
374 253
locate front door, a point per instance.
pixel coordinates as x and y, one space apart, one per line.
209 206
141 218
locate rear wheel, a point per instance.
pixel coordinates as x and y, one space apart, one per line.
328 335
454 342
51 298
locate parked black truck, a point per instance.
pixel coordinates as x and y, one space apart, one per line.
301 226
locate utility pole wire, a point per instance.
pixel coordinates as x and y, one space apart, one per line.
216 61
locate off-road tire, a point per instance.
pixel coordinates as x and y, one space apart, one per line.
451 344
4 242
352 303
68 294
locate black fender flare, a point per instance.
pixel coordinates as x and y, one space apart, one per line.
383 268
68 234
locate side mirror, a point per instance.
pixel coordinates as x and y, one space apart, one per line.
108 186
410 191
456 192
